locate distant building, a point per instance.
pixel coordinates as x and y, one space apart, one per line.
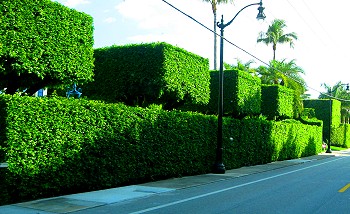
41 93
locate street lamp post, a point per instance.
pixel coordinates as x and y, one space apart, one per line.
219 167
329 150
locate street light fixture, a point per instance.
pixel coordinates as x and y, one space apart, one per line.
219 167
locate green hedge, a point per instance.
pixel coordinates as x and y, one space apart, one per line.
308 113
142 74
345 115
59 146
258 141
340 136
56 145
242 94
44 43
277 101
322 112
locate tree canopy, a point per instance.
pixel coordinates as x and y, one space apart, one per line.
275 34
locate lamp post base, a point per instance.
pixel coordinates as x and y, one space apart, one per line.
219 168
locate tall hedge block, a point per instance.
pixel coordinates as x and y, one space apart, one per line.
326 110
340 136
41 40
277 101
242 93
292 139
149 73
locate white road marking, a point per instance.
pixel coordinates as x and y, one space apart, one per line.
231 188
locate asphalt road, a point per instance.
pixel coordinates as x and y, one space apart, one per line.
316 186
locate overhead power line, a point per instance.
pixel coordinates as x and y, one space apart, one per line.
319 23
250 54
307 24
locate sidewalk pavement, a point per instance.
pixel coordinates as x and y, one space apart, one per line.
81 201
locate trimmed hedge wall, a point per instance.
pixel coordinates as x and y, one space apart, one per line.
44 42
340 136
143 74
277 101
261 141
59 146
322 111
242 95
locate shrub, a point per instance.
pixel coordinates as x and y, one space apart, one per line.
277 101
324 110
340 136
43 43
59 146
308 113
242 94
149 73
259 141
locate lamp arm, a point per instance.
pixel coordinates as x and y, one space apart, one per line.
225 25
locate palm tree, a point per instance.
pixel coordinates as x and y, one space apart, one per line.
242 66
275 34
214 4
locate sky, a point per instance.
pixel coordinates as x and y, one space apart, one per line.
322 48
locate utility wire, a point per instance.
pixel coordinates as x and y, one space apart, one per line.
319 23
255 57
308 25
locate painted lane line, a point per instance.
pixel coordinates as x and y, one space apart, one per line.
231 188
344 188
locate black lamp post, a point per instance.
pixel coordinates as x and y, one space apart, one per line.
219 166
329 150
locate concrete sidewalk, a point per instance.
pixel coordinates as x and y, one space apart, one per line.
81 201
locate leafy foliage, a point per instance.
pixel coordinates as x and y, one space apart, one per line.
149 73
242 66
326 110
242 95
339 91
287 74
59 146
275 34
43 43
340 135
277 102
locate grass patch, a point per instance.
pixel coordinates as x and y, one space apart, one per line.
335 148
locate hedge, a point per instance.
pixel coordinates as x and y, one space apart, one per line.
340 136
57 146
142 74
277 101
322 111
44 43
242 95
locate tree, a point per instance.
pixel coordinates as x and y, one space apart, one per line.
339 90
275 34
242 66
214 4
